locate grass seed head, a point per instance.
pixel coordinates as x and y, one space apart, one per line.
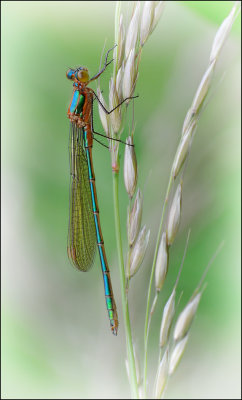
121 41
162 375
157 14
146 21
186 317
161 263
183 149
174 216
202 90
119 82
167 318
104 117
223 32
115 116
130 167
132 33
138 252
177 354
129 75
134 218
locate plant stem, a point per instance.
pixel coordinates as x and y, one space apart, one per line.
147 319
125 306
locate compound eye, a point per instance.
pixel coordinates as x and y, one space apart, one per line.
83 75
70 74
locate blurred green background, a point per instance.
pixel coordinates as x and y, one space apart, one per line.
56 340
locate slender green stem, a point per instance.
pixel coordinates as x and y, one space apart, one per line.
125 306
147 319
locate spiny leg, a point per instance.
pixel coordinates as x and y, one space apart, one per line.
109 112
105 136
106 64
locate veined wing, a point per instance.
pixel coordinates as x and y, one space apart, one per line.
82 242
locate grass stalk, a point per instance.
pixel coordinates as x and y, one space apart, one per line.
125 306
147 319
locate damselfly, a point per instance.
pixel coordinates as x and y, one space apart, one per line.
84 223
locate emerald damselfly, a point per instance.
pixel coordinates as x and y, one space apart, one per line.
85 233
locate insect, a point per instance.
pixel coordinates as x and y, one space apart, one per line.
84 233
